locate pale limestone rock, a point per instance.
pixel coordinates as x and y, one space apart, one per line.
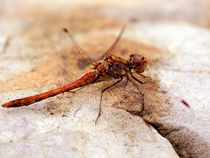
185 76
64 126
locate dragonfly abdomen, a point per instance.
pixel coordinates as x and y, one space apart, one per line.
88 78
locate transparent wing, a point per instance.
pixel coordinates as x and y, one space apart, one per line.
80 51
127 98
109 51
118 96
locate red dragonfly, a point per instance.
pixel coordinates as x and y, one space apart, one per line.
109 67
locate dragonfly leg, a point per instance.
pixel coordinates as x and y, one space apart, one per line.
148 79
136 78
126 83
99 112
141 93
145 77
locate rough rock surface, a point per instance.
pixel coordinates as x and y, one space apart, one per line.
185 77
35 56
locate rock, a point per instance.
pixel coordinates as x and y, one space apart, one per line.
36 57
64 126
27 131
185 77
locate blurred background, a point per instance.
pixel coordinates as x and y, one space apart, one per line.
42 21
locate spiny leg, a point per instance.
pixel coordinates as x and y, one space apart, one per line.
126 83
99 113
145 77
136 78
148 79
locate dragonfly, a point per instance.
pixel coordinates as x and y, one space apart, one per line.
108 67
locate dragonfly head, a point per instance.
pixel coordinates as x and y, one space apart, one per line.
137 62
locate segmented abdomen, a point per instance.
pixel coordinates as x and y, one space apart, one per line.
88 78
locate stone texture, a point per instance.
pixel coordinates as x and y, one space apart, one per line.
36 56
185 77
